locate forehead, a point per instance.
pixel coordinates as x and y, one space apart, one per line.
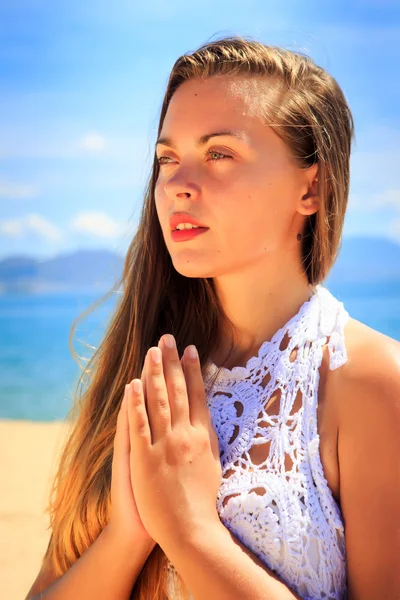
232 98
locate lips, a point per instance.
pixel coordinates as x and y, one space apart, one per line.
184 235
181 217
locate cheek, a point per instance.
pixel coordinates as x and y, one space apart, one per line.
257 222
160 206
157 195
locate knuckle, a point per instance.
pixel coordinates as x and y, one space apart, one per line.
137 402
163 422
179 388
162 403
142 429
184 445
174 358
204 440
157 387
202 434
178 448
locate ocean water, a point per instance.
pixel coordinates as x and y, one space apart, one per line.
38 374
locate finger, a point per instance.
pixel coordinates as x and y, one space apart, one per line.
198 410
121 439
143 380
211 431
121 456
175 381
139 428
157 396
216 450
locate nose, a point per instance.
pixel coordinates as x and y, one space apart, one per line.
180 185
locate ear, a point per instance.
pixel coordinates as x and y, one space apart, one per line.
309 201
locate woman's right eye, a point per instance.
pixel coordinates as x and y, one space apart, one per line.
159 159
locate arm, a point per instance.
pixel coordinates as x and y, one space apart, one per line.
215 564
106 571
369 461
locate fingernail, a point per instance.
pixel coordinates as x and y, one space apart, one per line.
156 355
192 352
137 385
169 340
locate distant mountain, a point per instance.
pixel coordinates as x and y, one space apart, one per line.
81 269
361 260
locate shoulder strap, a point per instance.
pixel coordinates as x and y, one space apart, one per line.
333 319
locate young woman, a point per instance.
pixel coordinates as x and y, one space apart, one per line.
266 465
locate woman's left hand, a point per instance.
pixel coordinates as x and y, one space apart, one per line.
175 461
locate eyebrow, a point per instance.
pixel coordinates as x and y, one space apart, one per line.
241 135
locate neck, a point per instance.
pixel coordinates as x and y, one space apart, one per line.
258 303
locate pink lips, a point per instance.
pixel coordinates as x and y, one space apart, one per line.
184 235
181 217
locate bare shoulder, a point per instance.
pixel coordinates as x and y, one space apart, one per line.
367 347
366 394
373 362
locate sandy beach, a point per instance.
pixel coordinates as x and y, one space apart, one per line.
28 457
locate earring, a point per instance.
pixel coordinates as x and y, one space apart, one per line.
299 236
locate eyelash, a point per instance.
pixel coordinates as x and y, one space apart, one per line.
158 158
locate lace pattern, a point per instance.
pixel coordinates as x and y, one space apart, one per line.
274 495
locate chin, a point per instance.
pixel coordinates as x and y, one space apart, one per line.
191 268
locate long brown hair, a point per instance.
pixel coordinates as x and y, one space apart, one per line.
308 110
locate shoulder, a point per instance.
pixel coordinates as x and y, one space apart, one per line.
366 389
367 400
373 364
371 353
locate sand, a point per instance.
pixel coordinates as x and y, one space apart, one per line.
28 457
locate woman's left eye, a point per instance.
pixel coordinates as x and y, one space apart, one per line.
220 154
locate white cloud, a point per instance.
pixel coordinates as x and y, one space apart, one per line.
31 223
16 190
12 228
93 142
43 227
97 224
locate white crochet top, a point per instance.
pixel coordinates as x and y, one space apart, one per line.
274 496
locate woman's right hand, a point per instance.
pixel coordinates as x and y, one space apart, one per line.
124 521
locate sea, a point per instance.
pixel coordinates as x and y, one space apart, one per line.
38 373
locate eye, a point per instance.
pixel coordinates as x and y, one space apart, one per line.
160 158
220 154
208 153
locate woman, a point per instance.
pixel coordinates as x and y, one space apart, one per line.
266 465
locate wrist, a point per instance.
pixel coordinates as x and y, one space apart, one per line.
125 545
193 533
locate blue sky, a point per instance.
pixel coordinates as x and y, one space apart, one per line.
81 84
